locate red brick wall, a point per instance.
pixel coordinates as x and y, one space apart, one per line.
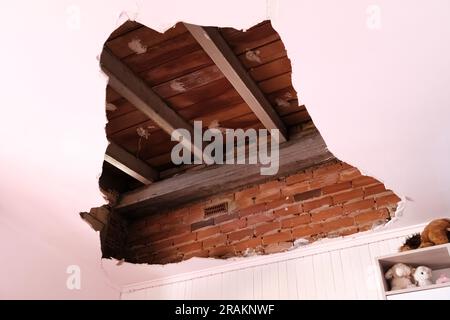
326 201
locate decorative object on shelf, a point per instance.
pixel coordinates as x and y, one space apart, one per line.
443 278
422 276
411 242
435 233
400 276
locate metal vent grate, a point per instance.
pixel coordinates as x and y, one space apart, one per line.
216 209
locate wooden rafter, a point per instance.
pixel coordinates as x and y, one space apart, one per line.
123 80
217 48
297 154
134 167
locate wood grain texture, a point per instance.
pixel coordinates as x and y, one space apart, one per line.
294 156
217 48
136 168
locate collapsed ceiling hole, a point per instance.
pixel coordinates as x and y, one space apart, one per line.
161 212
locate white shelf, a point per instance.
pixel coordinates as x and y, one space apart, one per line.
432 286
436 257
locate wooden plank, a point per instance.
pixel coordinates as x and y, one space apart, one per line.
271 69
276 83
199 94
225 59
189 81
300 153
257 36
135 90
148 37
129 164
182 66
265 54
166 51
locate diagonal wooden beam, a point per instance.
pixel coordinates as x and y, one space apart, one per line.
295 155
123 160
217 48
123 80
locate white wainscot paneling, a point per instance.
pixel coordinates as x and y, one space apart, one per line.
339 269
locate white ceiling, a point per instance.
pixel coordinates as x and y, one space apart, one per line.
381 100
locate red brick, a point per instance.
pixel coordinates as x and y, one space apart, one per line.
324 180
379 188
165 254
267 228
268 197
347 196
349 174
359 205
294 209
259 218
295 221
299 177
247 193
283 201
308 195
201 234
327 169
348 231
195 214
245 202
202 224
313 204
325 214
240 235
337 187
233 225
295 188
185 238
190 247
371 216
364 181
198 254
277 237
253 243
331 225
307 230
222 251
158 236
225 217
387 200
277 247
160 245
252 210
221 239
271 186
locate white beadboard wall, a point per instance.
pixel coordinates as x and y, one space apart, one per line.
334 269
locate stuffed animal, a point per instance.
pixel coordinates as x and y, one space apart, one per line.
436 232
442 279
422 276
400 276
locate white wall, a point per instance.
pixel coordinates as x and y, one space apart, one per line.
336 269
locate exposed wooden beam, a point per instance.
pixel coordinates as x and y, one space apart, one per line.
295 155
123 160
217 48
123 80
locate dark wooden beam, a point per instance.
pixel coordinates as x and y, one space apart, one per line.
123 80
295 155
219 51
134 167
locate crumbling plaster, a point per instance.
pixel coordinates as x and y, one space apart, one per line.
380 99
